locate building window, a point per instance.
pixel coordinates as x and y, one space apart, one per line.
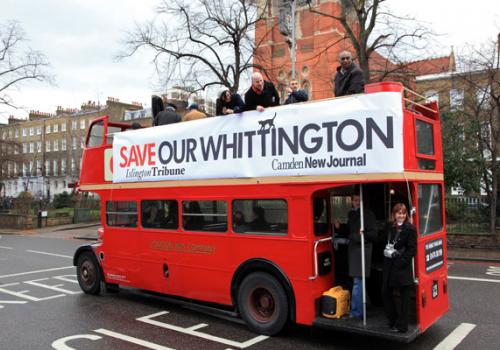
39 130
55 128
47 167
39 146
56 145
47 129
63 166
32 131
38 166
82 124
431 96
32 147
24 133
483 96
47 146
63 126
54 167
74 143
456 99
25 148
63 145
73 125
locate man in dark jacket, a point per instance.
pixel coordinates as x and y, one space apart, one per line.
229 103
353 229
349 78
168 116
295 94
261 94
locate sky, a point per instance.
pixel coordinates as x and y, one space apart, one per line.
81 39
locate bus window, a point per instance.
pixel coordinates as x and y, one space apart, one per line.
121 213
268 216
429 209
206 216
162 214
425 145
96 134
320 216
112 130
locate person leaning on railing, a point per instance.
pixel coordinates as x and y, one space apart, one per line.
349 77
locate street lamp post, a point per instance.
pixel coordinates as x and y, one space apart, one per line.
294 39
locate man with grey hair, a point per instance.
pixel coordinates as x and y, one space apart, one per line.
349 78
261 94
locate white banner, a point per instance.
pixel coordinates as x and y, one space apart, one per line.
352 135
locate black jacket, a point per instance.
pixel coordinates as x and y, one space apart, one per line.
398 271
297 96
166 117
236 104
350 82
268 98
351 230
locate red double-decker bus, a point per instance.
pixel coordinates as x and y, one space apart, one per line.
236 213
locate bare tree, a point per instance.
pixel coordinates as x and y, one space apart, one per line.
373 29
479 116
199 43
18 63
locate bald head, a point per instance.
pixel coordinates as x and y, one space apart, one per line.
345 59
257 81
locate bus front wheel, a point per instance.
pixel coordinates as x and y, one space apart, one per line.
88 273
263 303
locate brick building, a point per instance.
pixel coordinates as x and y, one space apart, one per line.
42 154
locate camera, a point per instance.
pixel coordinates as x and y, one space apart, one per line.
389 250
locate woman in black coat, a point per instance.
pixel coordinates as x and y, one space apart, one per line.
398 268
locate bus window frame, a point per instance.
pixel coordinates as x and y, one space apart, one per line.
181 215
443 225
105 137
424 156
262 233
142 227
121 213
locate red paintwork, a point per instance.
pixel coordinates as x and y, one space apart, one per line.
129 259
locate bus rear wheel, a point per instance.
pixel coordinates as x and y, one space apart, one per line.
88 273
263 303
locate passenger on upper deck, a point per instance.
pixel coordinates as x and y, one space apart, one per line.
261 94
168 116
295 94
349 77
194 113
229 103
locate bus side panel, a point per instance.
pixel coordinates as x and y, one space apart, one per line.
432 294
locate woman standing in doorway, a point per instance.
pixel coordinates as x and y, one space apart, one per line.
398 270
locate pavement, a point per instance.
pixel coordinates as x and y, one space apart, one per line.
88 231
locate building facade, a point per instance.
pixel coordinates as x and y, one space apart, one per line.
42 154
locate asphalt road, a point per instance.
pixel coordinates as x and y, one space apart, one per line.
41 307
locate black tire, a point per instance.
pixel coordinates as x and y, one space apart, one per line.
263 303
89 273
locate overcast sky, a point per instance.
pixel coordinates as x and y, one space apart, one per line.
82 37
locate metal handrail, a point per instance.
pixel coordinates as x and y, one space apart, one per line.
316 243
416 103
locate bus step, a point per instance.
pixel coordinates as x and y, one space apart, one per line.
376 326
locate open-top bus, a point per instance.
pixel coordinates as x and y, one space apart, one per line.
236 212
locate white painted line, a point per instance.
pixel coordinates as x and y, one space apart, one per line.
189 331
470 279
11 302
132 340
2 247
37 271
51 254
455 337
60 344
198 326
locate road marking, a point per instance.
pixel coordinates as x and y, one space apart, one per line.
56 287
37 271
493 271
132 340
11 302
190 331
2 247
22 293
470 279
51 254
60 344
455 337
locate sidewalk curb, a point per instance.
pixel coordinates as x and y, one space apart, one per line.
77 227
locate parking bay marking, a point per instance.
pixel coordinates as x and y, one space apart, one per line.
455 337
51 254
473 279
3 247
37 271
193 331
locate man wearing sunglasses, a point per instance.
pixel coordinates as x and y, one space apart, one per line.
349 77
